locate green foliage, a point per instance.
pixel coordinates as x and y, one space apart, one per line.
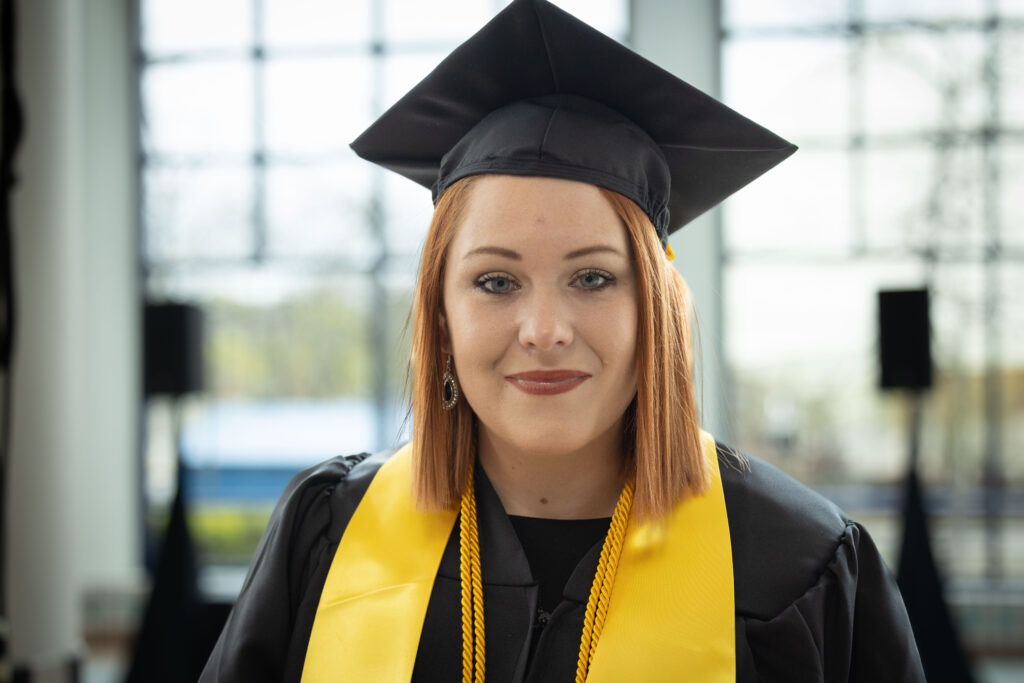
228 534
313 345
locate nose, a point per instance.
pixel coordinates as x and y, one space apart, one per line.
545 323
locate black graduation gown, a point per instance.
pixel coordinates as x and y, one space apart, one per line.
814 600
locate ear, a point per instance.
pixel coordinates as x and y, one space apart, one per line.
446 339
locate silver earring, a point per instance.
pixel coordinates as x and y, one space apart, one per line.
449 387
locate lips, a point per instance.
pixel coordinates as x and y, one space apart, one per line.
547 382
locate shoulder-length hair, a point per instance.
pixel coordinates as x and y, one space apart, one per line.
662 445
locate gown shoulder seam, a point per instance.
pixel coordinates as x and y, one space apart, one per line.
827 567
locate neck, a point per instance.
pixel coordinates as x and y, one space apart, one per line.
578 484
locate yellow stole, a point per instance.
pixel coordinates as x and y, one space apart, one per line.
671 611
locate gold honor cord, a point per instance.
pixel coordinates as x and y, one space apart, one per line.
471 581
473 650
604 579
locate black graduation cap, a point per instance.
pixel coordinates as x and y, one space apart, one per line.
538 92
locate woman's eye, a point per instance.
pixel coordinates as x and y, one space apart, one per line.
593 279
496 284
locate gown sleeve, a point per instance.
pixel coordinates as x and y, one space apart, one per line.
265 636
850 625
815 602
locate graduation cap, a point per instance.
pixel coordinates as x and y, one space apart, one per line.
538 92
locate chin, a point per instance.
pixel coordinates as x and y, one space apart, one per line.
550 437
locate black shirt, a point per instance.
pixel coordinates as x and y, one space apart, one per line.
554 547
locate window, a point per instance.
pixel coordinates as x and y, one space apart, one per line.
302 256
908 115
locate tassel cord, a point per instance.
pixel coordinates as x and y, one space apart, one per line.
471 586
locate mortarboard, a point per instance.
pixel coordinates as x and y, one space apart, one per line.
538 92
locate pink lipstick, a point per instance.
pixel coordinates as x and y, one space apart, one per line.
547 382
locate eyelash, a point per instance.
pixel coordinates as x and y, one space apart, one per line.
482 282
608 280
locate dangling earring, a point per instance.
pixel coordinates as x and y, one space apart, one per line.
449 388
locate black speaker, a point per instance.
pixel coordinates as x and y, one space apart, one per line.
904 343
173 349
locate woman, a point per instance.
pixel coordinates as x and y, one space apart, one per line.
559 515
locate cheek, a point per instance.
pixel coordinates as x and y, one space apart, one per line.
474 332
460 327
616 332
453 308
627 355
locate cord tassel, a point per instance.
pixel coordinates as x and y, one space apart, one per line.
471 585
604 580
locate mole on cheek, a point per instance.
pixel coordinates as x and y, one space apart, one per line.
543 501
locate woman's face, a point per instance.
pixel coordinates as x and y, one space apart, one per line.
540 313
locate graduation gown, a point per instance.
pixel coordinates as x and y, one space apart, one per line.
813 599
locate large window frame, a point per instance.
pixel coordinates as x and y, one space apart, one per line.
962 240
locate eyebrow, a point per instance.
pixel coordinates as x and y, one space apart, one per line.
586 251
516 256
497 251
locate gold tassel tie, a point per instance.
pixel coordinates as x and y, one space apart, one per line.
472 586
604 578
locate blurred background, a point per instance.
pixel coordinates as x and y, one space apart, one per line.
196 151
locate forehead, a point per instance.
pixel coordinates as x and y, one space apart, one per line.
521 212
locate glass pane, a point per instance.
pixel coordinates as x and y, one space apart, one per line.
801 346
610 17
1011 8
1012 321
897 193
407 210
316 106
226 534
242 453
275 331
273 433
312 343
932 10
1011 76
415 21
1011 179
404 70
957 198
924 197
315 23
744 14
778 312
197 213
923 82
319 211
790 85
802 205
958 316
264 285
1011 317
954 432
191 25
198 108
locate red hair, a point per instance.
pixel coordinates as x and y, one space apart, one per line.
662 436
